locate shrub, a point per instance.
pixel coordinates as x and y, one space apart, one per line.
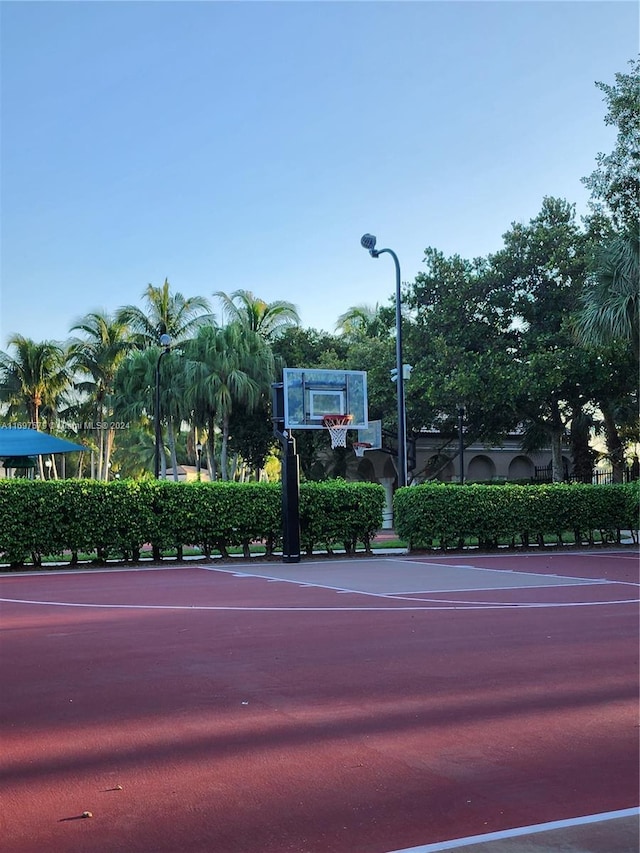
53 518
510 514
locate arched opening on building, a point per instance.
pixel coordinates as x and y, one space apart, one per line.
365 471
521 468
481 468
389 470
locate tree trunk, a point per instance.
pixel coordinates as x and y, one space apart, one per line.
615 447
223 452
557 430
557 469
163 457
211 450
581 452
100 431
108 445
34 416
172 449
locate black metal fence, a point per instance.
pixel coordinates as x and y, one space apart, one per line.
598 477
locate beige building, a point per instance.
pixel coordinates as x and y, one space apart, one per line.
437 459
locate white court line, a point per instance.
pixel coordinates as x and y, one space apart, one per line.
99 570
519 604
466 605
456 844
576 580
552 552
446 604
241 608
492 588
271 578
441 604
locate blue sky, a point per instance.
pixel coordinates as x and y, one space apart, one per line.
227 145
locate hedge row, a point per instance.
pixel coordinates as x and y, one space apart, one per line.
115 520
445 515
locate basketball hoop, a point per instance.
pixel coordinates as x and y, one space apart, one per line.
360 447
337 426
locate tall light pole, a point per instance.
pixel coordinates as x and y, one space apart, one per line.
198 460
165 342
461 440
368 242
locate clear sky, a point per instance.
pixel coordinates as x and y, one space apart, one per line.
227 145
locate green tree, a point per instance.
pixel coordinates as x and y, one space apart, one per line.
96 355
462 346
610 301
33 379
267 319
134 400
363 321
615 183
134 454
165 313
495 335
228 369
298 347
544 265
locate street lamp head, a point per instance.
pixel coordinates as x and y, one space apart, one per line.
368 242
165 340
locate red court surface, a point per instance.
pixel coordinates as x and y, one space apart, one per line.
341 706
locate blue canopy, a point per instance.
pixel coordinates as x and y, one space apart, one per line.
31 442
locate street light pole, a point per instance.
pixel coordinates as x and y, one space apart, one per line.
461 441
198 460
368 242
165 342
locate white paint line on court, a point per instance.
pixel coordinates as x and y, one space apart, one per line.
573 580
520 604
519 555
497 588
434 604
101 570
298 582
401 595
240 608
458 843
445 605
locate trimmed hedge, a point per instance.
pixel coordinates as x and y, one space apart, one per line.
115 520
443 515
335 511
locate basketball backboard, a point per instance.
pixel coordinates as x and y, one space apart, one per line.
310 394
372 435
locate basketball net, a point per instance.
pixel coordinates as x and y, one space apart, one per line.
360 447
337 426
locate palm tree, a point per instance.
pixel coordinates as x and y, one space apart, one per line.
167 314
33 380
227 368
98 354
359 321
135 385
267 319
610 304
135 452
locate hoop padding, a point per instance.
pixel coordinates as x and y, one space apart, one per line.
360 447
337 426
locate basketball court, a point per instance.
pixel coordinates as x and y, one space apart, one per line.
485 703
